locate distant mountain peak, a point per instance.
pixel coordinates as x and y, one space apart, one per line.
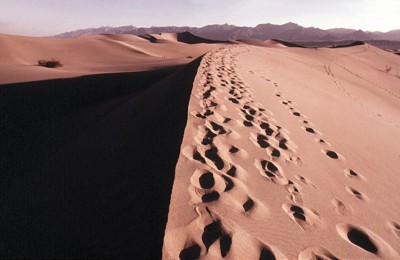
286 32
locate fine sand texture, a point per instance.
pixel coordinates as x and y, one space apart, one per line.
289 153
95 54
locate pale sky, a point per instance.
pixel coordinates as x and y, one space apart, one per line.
50 17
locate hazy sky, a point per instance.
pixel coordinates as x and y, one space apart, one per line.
49 17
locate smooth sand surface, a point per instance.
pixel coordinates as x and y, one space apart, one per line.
289 153
92 54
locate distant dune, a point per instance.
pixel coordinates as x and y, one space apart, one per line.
173 146
90 54
184 37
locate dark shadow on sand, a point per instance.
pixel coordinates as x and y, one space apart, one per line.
87 164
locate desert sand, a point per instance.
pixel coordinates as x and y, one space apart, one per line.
93 54
176 147
87 162
289 153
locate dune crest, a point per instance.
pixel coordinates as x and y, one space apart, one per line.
268 168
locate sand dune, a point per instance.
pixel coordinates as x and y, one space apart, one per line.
260 150
289 153
87 55
88 163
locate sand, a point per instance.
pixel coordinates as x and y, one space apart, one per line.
87 163
93 54
143 148
289 153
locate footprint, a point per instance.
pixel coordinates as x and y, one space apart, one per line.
296 113
227 120
331 154
309 130
229 183
352 174
212 155
208 137
274 152
233 149
305 180
232 171
225 244
340 207
233 100
282 144
317 253
267 254
301 215
366 240
207 180
294 192
197 156
267 127
209 197
322 141
211 233
190 253
356 193
247 123
216 128
262 141
395 228
191 152
271 172
248 205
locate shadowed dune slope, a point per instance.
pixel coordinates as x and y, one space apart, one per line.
190 38
182 37
90 163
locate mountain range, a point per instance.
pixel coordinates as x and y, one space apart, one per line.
288 32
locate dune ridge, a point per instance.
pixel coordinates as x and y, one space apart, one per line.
266 170
260 150
86 169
